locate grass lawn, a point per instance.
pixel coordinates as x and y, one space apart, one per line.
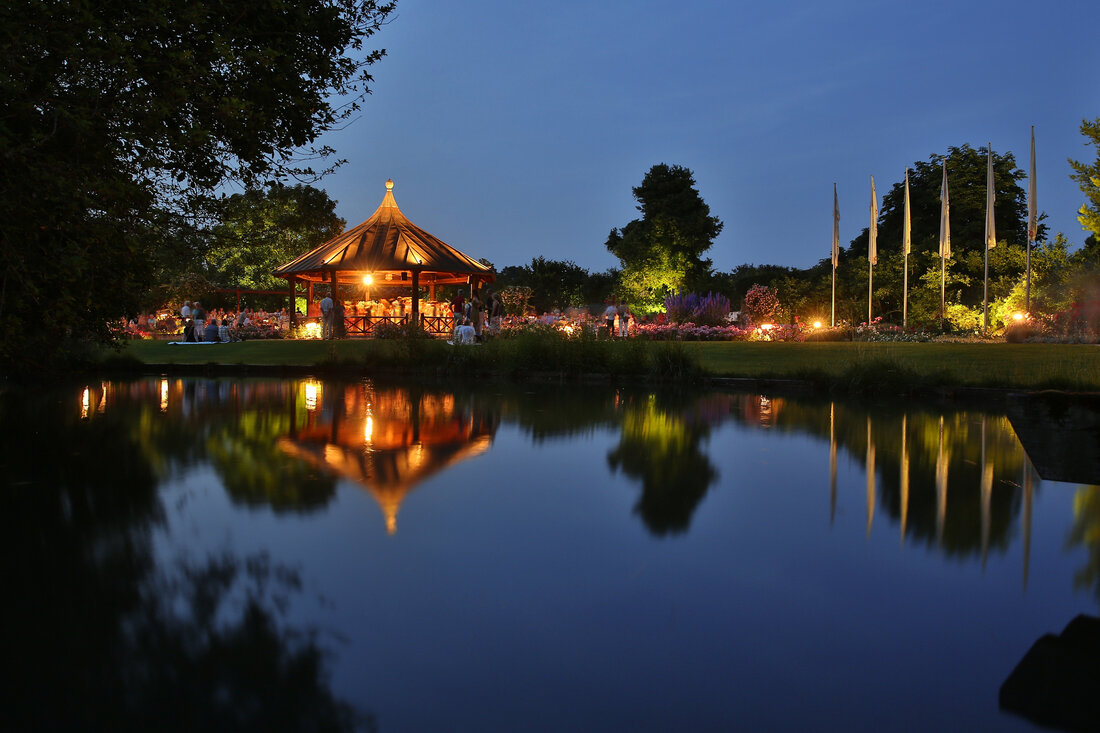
263 352
1065 366
1057 366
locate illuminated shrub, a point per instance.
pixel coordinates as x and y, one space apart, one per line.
710 310
761 303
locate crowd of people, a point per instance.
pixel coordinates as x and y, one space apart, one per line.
193 323
472 318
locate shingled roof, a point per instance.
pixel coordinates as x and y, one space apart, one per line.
386 242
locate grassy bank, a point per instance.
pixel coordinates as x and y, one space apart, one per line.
844 366
1025 366
534 353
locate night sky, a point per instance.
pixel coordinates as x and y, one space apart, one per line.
514 130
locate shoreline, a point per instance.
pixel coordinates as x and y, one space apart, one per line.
784 386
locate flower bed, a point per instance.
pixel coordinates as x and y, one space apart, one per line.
692 332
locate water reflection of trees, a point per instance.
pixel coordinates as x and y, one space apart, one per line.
659 445
284 443
233 425
96 635
1086 532
952 480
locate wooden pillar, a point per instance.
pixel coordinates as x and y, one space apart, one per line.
309 295
416 298
431 291
291 310
334 295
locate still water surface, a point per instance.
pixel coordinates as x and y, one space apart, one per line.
199 553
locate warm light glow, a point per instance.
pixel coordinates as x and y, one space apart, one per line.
85 403
367 279
767 326
311 396
368 429
1017 316
817 324
312 330
568 329
164 395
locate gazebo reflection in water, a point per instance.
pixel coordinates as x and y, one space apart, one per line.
386 439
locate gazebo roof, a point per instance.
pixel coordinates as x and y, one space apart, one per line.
386 242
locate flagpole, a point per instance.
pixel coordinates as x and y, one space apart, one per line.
832 311
872 249
1032 211
945 242
990 236
836 253
906 238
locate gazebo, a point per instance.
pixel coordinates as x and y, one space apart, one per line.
386 249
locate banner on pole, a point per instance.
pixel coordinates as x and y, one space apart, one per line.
836 229
872 234
990 196
906 238
945 218
1032 208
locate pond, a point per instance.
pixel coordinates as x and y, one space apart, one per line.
188 553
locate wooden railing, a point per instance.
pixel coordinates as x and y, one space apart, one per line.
437 325
365 325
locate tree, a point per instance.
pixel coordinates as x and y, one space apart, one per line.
262 229
117 114
553 283
1088 176
663 251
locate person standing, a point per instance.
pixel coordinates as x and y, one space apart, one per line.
339 329
458 309
188 324
198 315
624 316
476 316
609 315
496 313
326 317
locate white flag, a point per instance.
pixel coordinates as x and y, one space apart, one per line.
1032 209
990 226
906 235
836 229
945 217
872 235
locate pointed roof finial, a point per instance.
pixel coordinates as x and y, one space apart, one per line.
388 201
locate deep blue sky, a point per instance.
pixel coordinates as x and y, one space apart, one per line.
516 129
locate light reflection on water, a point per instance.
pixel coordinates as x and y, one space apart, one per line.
539 557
